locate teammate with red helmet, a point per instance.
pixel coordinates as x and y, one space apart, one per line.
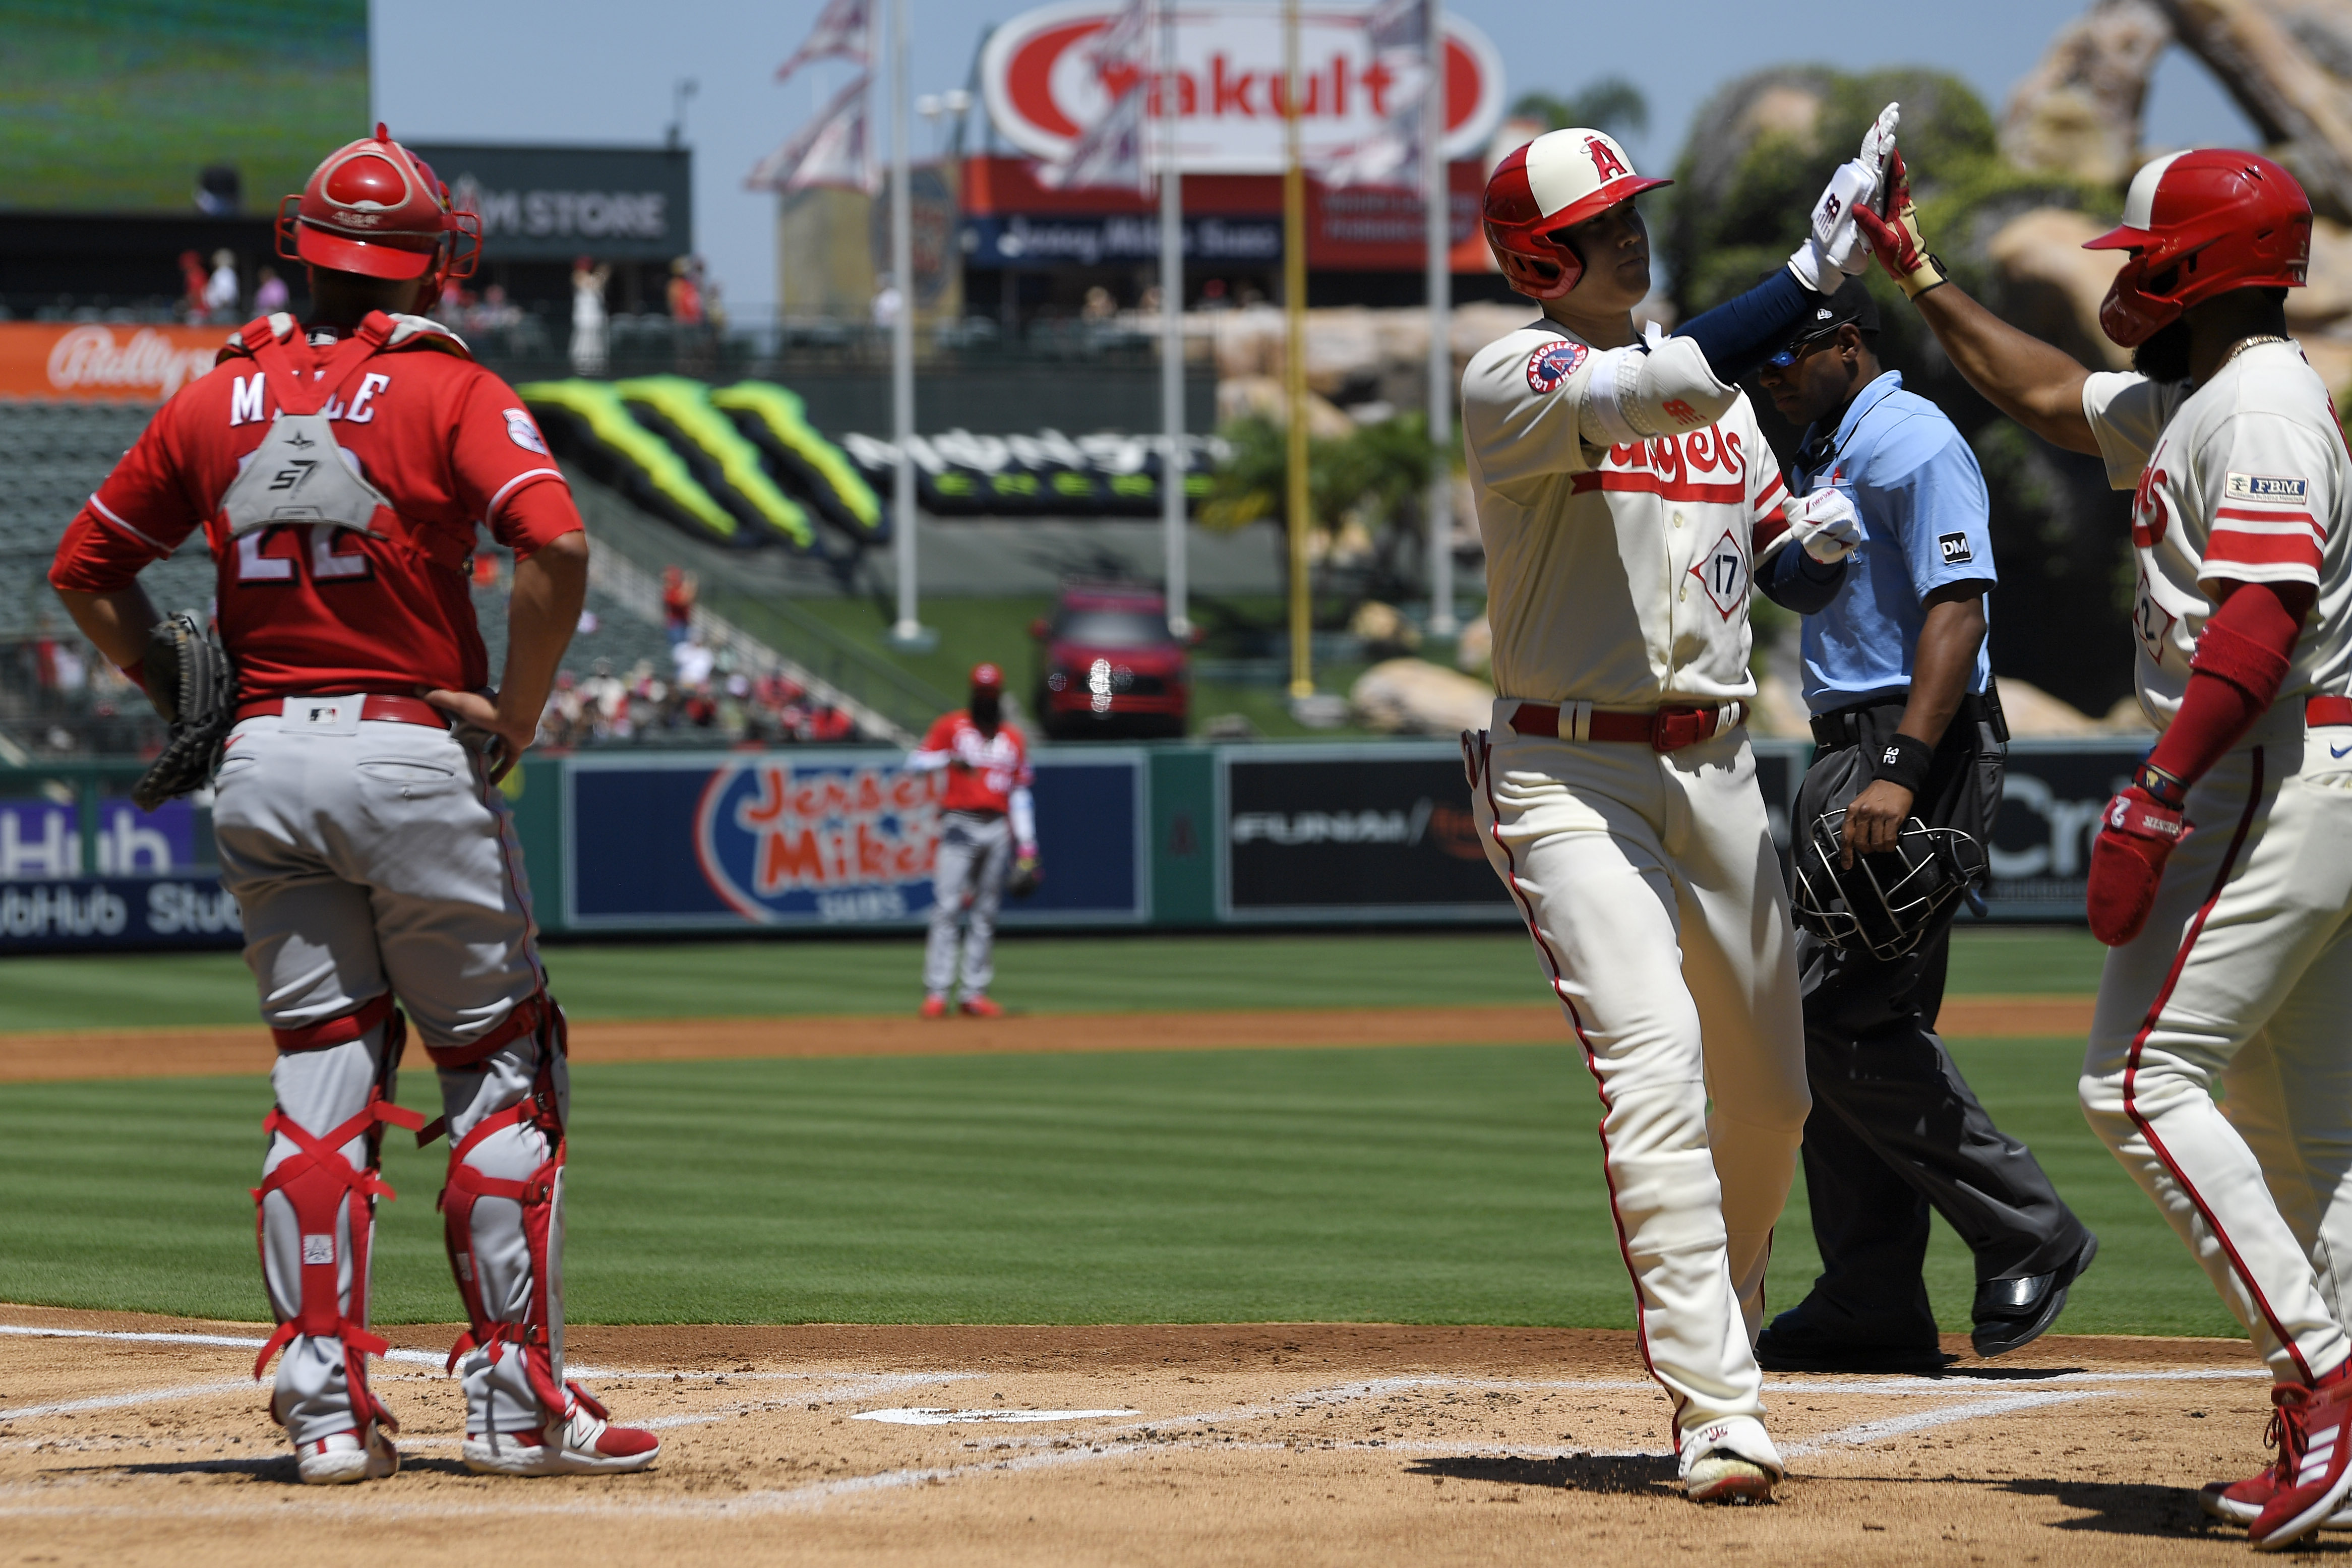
1629 502
2222 875
340 472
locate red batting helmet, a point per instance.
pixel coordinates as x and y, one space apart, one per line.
1560 179
987 677
2201 224
374 208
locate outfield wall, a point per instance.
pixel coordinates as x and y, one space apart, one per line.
1168 837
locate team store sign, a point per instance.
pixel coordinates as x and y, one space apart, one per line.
1044 87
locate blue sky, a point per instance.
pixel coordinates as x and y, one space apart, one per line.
598 71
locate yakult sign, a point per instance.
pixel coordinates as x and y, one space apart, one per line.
1043 89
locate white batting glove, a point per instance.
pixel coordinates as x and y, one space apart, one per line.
1836 249
1826 524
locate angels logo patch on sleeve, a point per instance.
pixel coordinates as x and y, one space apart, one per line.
523 433
1554 362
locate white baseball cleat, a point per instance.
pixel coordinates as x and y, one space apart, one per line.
587 1444
340 1457
1729 1460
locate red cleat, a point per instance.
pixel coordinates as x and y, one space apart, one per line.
2321 1476
981 1008
935 1006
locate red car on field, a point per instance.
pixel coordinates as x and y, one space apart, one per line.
1112 668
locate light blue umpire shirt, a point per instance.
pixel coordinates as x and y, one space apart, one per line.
1922 498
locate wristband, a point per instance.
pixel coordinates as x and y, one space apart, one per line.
2161 786
1904 760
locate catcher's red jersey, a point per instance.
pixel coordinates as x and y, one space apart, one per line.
311 608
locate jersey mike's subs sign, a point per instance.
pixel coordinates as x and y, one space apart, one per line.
1044 86
104 361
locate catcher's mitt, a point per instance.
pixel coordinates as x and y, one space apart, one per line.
1027 876
194 685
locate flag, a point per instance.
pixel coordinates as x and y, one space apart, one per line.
830 149
843 31
1390 155
1110 152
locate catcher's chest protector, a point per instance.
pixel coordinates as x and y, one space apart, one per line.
300 474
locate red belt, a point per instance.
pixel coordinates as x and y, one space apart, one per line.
1668 728
381 706
2324 711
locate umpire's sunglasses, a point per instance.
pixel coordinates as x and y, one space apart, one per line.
1801 347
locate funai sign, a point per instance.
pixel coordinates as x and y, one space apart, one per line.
553 204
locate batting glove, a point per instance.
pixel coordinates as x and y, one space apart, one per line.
1835 249
1901 249
1826 524
2137 833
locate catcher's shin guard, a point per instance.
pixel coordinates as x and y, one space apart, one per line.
332 1204
502 1310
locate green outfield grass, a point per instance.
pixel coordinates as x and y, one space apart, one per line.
1040 974
1438 1184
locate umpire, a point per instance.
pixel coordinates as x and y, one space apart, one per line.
1909 725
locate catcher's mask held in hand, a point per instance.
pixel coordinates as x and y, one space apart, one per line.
1885 904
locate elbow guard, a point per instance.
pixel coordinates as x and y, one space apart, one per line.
1661 388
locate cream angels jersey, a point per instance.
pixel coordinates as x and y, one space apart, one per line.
2245 477
1618 575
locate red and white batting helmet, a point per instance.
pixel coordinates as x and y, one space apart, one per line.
373 208
1558 180
2201 224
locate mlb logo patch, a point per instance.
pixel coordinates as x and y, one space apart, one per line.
1955 547
1553 364
2267 490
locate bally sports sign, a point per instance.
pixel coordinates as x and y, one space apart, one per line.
1044 88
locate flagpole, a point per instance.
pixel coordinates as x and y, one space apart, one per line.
1294 306
1437 203
909 632
1172 499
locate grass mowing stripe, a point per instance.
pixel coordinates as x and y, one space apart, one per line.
1457 1183
1042 973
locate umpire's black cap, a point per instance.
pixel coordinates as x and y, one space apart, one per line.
1852 302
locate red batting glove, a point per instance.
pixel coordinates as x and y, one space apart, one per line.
2137 834
1896 238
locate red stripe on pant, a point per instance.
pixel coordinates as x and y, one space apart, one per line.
2147 1028
1576 1022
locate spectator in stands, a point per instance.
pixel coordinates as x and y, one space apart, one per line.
193 282
692 659
270 294
221 290
887 301
678 593
588 350
686 291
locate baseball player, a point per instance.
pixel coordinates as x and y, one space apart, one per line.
1909 725
339 471
1625 495
2222 876
988 837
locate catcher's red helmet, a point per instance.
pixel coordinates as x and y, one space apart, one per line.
1560 179
2201 224
373 208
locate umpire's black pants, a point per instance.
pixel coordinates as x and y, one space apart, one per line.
1887 1099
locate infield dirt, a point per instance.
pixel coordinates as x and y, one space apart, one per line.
1255 1444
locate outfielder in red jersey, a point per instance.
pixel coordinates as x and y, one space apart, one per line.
2222 876
340 472
988 837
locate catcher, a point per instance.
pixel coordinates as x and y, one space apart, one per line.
338 470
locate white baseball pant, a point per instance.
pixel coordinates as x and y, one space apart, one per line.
974 861
370 860
2244 977
1652 890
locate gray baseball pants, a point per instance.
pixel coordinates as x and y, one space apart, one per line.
975 859
371 859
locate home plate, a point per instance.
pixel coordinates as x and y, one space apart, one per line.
954 1417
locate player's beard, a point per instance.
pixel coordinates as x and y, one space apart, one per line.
2165 355
987 711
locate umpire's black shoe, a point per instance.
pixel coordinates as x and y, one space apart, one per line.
2013 1313
1794 1342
